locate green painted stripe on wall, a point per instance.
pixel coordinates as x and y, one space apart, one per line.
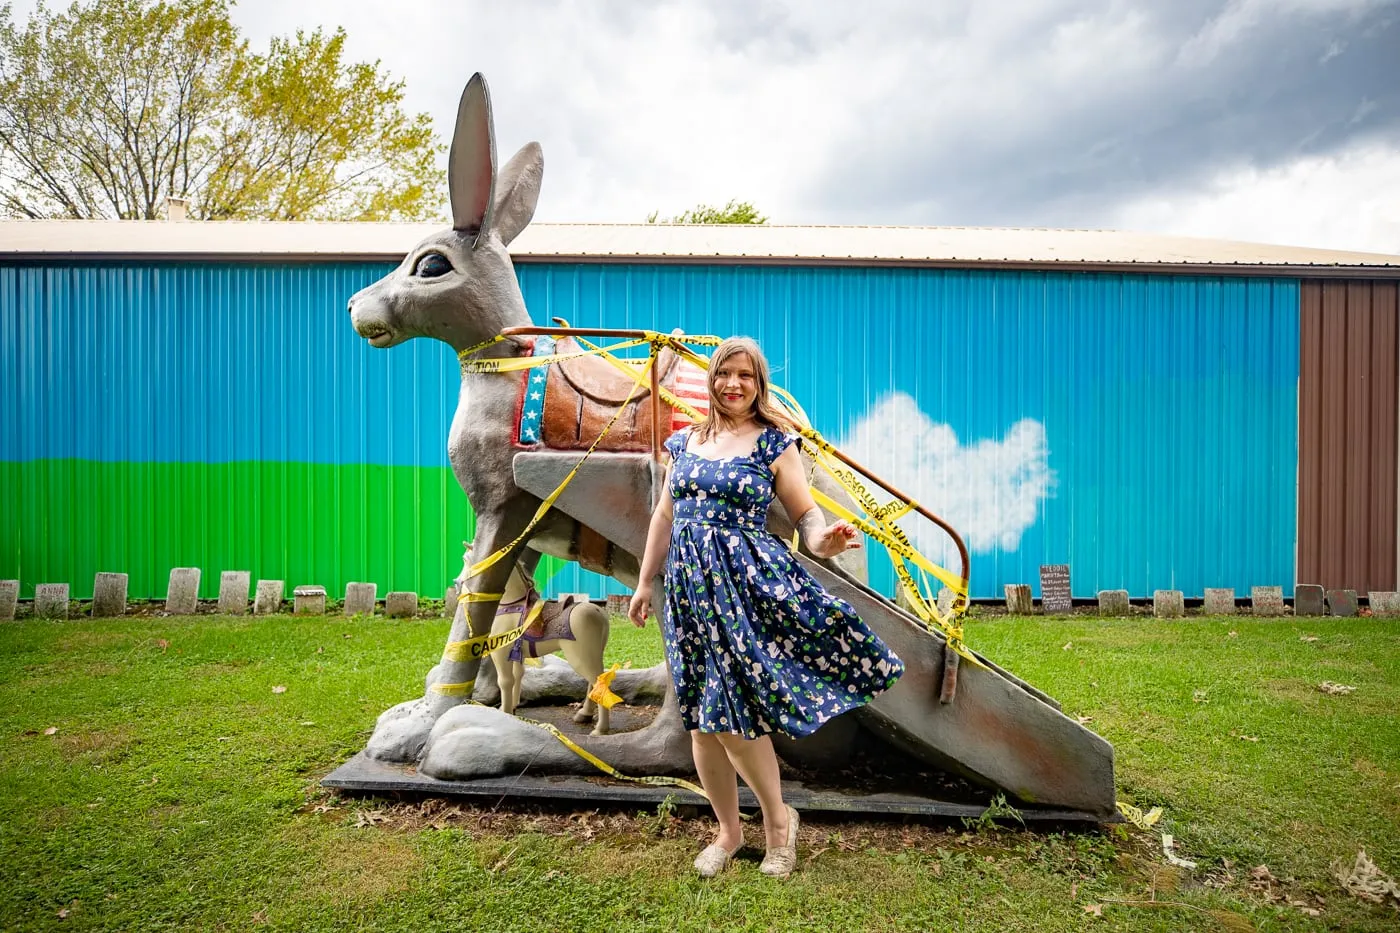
399 527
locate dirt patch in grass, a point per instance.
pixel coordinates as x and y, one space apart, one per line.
367 867
1370 769
61 672
98 745
215 668
1297 691
88 639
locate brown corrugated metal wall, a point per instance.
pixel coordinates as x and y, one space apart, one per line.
1347 426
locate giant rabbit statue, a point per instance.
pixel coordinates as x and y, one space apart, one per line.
459 286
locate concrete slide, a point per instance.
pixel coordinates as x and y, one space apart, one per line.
997 730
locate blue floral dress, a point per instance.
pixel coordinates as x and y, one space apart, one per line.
755 644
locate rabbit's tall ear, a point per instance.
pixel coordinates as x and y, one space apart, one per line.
471 162
518 191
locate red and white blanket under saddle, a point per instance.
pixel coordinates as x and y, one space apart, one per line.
566 405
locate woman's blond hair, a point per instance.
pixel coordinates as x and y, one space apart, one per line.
765 410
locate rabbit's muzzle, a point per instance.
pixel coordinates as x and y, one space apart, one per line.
371 320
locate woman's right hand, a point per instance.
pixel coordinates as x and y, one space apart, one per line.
640 607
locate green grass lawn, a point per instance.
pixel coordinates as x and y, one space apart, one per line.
180 791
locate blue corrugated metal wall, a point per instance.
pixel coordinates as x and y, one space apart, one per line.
1140 428
1158 413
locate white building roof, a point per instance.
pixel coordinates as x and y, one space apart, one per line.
726 243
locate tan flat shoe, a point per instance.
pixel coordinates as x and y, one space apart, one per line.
712 861
781 860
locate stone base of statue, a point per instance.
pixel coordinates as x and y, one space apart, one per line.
843 768
873 783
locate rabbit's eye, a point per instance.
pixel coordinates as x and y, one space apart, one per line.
432 265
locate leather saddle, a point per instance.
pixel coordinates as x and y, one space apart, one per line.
582 395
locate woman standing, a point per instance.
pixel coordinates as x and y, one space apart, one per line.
753 642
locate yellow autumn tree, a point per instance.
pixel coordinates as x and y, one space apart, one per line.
110 107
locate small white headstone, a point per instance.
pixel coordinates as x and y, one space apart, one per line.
51 601
233 591
1113 602
269 597
109 595
1168 604
359 599
182 595
1219 601
9 597
401 604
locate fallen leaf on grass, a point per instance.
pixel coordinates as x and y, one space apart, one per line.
307 723
1336 690
1260 878
320 650
1234 634
369 818
1199 696
1307 638
51 730
63 913
1249 738
1084 720
1073 890
260 917
1095 910
279 689
1068 645
1367 882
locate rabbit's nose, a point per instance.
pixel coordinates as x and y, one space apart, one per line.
350 306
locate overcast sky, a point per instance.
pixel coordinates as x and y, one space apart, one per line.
1268 120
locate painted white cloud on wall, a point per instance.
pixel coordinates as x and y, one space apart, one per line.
989 490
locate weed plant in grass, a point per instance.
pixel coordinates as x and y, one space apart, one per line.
179 790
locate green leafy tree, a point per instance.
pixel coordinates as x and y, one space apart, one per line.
108 108
735 212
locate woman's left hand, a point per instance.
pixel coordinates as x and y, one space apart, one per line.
838 537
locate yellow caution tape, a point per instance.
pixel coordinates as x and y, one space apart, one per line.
463 689
469 352
479 597
606 768
512 364
601 692
474 649
549 500
1143 821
